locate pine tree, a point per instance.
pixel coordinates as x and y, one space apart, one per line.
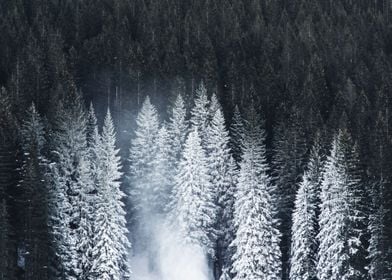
178 127
72 183
227 228
257 254
162 171
143 197
237 134
380 266
341 249
91 127
142 154
195 211
214 106
305 220
109 254
289 163
200 112
221 176
34 197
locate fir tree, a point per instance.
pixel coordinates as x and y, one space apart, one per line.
380 266
226 219
34 200
200 112
163 171
305 220
178 128
195 211
237 134
109 254
222 178
73 184
142 154
257 253
341 249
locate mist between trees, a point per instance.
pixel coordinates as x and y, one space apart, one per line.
181 139
198 199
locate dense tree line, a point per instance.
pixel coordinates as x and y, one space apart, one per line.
320 164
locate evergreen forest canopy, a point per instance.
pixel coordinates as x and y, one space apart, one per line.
199 140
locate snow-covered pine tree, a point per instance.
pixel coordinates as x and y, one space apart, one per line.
73 184
163 171
91 127
63 251
380 266
341 250
142 154
221 176
200 112
178 128
194 213
228 230
257 253
305 219
237 132
109 254
289 161
214 105
34 197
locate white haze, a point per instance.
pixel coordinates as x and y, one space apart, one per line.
174 260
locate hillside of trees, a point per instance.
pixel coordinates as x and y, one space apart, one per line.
247 139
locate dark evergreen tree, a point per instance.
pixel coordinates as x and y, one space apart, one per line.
34 199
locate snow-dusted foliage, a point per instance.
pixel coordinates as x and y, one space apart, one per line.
177 128
195 210
223 179
341 249
72 184
380 266
305 220
110 243
141 157
227 229
237 131
200 112
34 195
163 171
257 254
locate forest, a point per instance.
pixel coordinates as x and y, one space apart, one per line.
196 139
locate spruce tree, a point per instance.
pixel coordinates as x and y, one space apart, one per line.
305 220
257 253
194 213
72 183
379 265
200 112
110 243
178 127
163 171
237 134
341 251
143 196
34 197
142 154
226 219
221 176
